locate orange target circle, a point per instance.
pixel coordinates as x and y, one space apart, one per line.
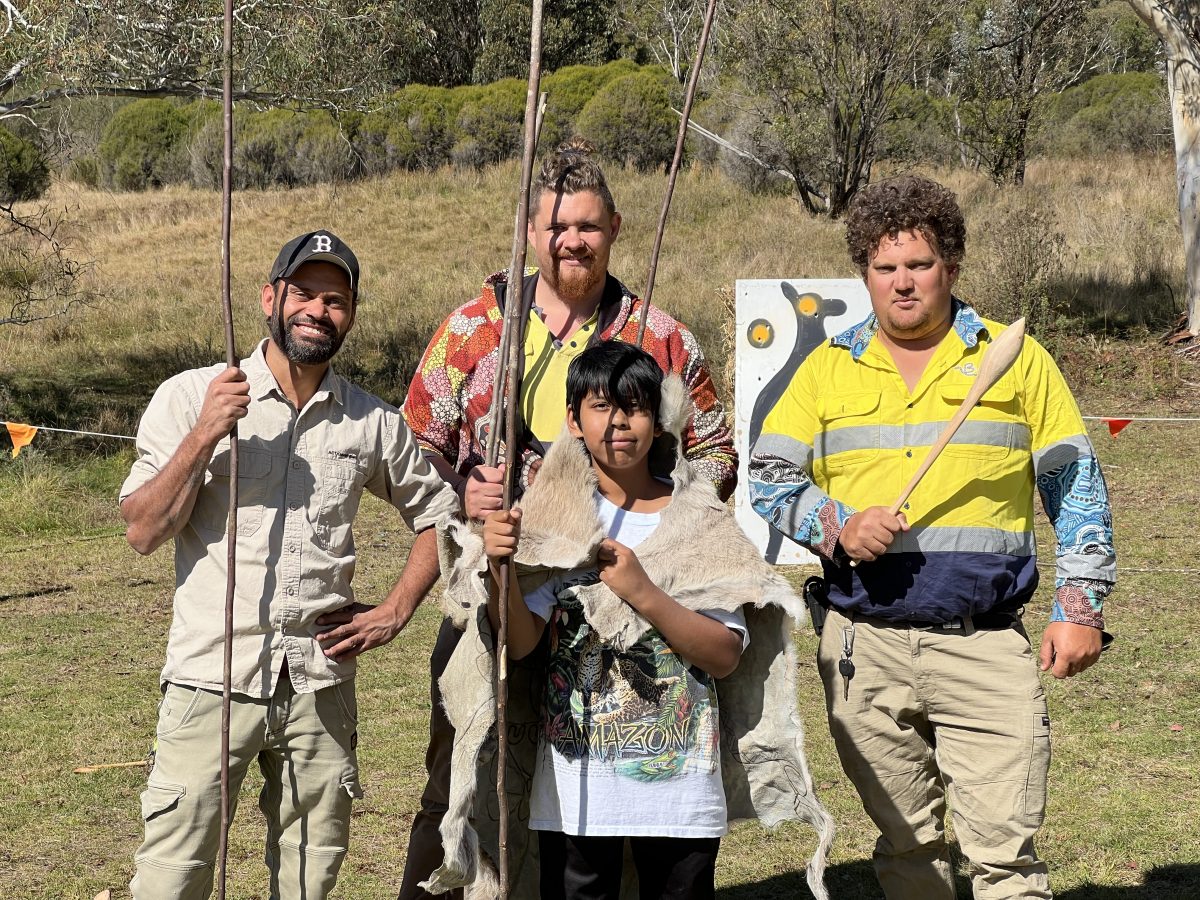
808 304
760 334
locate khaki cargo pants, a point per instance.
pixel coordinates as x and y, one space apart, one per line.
933 716
305 747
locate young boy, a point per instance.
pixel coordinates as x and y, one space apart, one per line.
629 744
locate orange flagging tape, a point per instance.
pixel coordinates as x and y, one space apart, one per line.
21 435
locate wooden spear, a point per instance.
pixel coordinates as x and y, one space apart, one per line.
499 378
231 360
506 403
693 80
1001 353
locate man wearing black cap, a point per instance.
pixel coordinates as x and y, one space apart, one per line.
309 444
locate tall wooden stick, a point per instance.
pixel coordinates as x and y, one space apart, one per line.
693 80
511 341
231 360
499 378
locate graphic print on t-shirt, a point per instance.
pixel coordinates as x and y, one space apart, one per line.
644 709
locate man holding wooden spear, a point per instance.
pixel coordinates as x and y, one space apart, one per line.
310 443
572 301
930 681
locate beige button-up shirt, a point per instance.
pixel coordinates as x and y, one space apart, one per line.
301 476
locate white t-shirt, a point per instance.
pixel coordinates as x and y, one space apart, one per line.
630 741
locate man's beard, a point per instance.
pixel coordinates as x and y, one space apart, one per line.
574 284
307 352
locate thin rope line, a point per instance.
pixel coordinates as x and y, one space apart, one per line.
124 437
1172 571
1136 419
92 537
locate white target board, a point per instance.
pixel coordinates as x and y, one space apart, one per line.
779 322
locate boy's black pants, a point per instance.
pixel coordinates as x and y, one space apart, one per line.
590 868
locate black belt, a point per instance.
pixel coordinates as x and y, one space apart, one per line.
988 621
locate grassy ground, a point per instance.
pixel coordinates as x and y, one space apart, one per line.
83 619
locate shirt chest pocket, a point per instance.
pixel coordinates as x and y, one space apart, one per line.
850 429
990 431
211 512
340 488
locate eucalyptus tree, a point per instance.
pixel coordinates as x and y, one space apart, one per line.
1177 24
823 77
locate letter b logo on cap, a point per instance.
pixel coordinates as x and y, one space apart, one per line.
324 244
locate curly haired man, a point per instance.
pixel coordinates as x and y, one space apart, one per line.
930 680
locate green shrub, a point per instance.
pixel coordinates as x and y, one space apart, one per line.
490 123
279 147
84 170
1020 260
24 173
715 114
144 146
630 121
414 130
1108 114
569 91
761 175
919 129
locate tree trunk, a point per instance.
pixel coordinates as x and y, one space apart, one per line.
1183 81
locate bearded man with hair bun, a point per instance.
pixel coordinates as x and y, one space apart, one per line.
574 302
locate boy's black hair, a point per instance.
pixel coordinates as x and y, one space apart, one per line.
621 373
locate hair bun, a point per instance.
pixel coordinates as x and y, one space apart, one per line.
576 144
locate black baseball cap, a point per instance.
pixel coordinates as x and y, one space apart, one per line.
316 246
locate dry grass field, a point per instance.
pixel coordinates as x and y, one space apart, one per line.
83 619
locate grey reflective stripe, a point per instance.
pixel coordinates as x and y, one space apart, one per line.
856 437
1054 456
1092 566
1007 435
964 540
784 447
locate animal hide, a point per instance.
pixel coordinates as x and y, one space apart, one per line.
700 557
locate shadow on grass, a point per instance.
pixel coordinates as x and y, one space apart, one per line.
1172 882
99 393
856 881
109 393
1113 307
853 879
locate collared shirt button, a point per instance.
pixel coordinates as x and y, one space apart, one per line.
291 548
295 463
908 453
291 592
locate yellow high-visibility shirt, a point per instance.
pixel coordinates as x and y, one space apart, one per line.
849 426
544 383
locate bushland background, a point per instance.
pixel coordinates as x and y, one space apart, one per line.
125 293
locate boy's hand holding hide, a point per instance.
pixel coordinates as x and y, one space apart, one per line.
622 571
501 534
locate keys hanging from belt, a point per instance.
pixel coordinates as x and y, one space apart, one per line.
846 664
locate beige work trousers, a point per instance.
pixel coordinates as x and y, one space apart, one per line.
932 716
305 747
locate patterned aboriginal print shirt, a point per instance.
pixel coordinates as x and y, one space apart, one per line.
450 394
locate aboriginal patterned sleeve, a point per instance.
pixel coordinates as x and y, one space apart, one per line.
782 490
708 441
1073 493
431 408
440 400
